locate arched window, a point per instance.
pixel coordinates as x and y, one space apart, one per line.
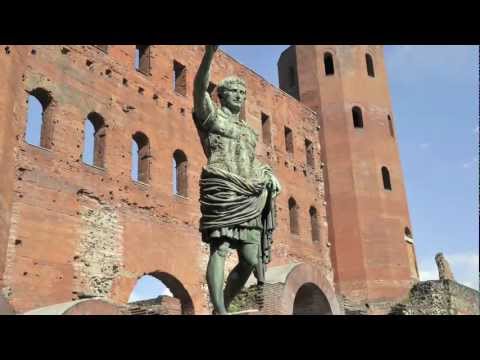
293 211
370 68
390 126
39 130
180 174
94 140
357 117
328 62
140 158
314 225
387 185
163 290
408 235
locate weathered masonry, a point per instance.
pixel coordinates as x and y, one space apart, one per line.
108 189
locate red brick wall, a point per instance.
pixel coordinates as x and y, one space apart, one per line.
13 64
366 223
78 229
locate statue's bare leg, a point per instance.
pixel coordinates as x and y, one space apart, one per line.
215 275
248 258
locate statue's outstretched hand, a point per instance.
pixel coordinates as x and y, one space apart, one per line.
211 49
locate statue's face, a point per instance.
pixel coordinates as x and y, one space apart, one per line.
233 97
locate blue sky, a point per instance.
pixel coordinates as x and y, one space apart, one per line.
434 91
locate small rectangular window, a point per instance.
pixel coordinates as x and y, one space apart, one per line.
142 59
370 68
309 152
390 126
288 140
266 130
179 78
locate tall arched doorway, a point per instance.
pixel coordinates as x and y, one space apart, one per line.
297 288
310 300
158 284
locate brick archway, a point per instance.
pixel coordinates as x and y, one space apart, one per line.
292 287
306 284
177 289
310 300
296 282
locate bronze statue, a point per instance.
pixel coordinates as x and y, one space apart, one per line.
237 192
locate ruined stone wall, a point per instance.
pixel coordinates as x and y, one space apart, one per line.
77 230
163 305
439 297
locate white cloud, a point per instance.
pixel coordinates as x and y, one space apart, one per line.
463 265
421 62
430 274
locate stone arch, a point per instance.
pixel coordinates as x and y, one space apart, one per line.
310 300
93 306
178 290
306 285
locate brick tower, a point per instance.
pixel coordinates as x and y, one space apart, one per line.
369 227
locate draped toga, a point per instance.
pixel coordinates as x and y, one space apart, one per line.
234 199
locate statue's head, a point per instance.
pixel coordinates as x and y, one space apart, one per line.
232 92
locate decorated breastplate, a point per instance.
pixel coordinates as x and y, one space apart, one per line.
232 145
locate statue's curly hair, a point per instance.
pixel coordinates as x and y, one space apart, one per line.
229 81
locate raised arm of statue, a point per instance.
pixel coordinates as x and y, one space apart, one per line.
202 103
